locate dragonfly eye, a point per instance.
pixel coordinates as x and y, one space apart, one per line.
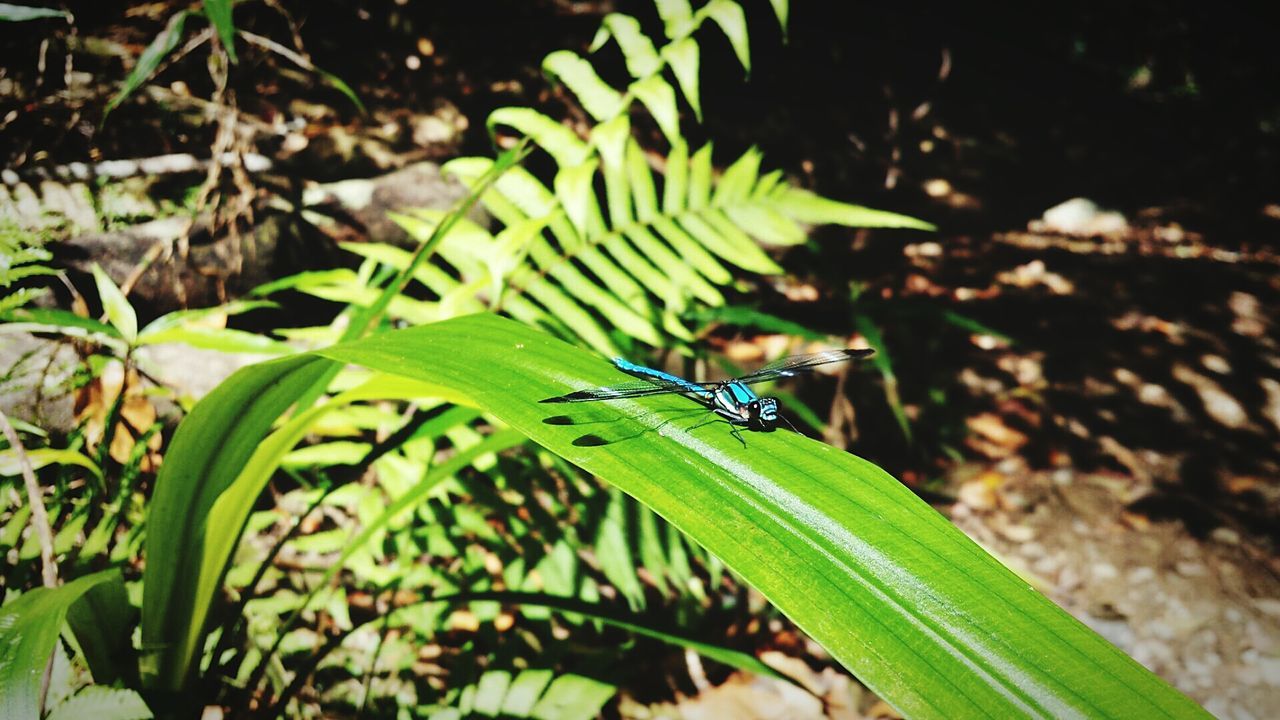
764 412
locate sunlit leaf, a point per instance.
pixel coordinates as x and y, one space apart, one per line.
682 58
29 628
150 60
119 312
814 209
596 96
219 14
642 59
729 16
22 13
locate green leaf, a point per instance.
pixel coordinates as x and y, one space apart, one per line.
767 225
22 13
682 58
40 457
675 184
208 452
55 320
524 692
29 627
160 47
660 99
883 361
780 9
814 209
102 703
180 318
557 139
677 17
599 99
119 312
227 340
219 14
103 622
729 16
700 172
576 193
642 59
896 593
573 697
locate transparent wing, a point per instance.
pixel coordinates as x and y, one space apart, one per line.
796 364
641 388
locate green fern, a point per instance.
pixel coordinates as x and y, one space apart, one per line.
642 261
539 694
21 257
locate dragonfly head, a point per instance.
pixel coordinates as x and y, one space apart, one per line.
763 414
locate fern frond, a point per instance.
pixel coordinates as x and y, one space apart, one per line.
647 62
623 260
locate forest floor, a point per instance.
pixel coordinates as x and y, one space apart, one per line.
1118 431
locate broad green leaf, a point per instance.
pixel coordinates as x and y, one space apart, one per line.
29 628
160 47
219 14
913 607
22 13
103 621
599 99
814 209
642 59
209 450
729 16
119 312
682 58
557 139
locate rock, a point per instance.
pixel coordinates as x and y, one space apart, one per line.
368 201
1082 217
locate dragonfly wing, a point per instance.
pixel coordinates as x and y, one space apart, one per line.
796 364
643 388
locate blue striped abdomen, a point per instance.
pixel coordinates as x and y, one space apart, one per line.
631 368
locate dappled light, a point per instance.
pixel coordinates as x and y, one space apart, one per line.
631 359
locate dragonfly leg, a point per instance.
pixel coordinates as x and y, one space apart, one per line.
733 429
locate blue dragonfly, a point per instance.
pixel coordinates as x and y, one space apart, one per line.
731 400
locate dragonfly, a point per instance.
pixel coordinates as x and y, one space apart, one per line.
731 400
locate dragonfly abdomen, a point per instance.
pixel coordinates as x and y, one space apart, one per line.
641 371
